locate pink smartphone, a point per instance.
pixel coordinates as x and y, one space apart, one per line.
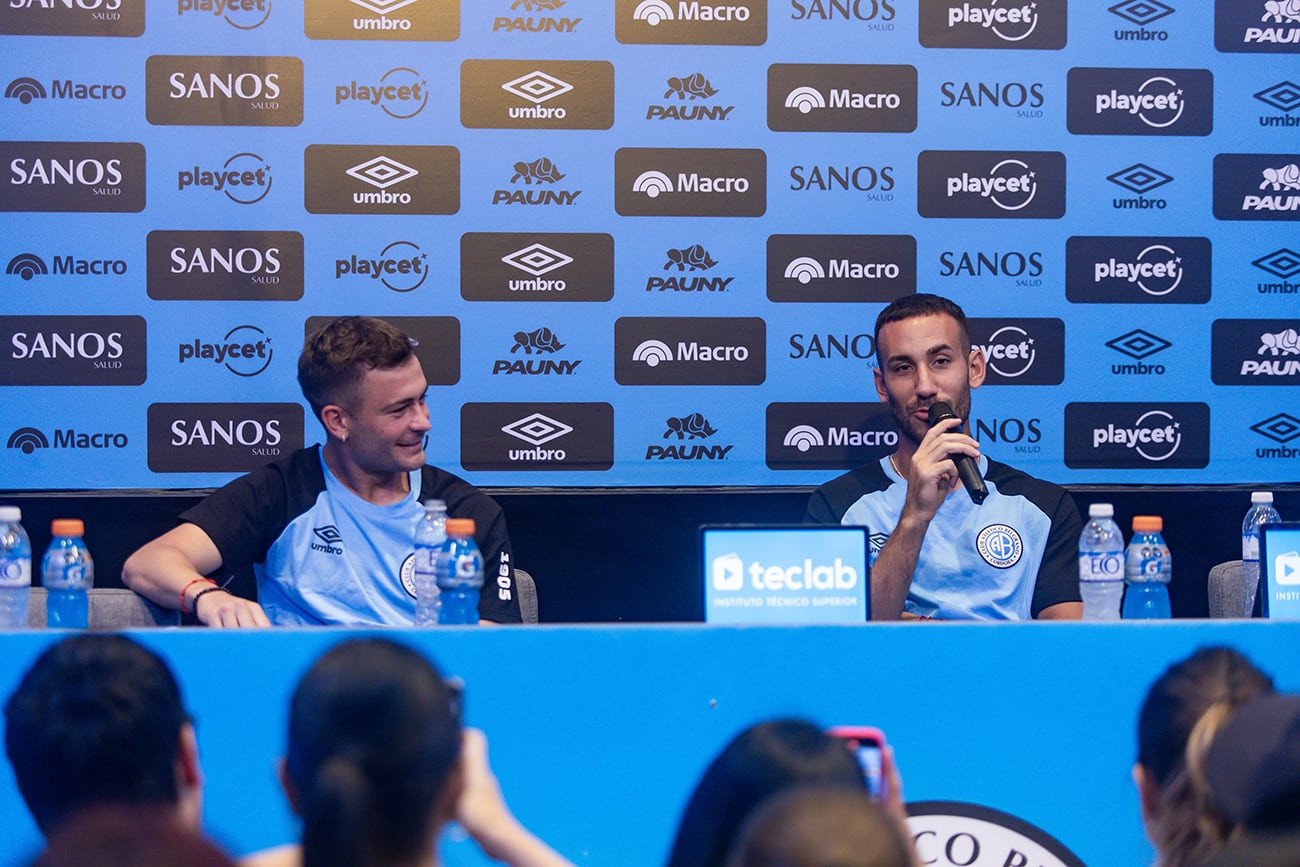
868 745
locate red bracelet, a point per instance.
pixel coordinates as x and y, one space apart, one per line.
185 610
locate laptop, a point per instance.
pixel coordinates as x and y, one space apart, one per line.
785 573
1279 564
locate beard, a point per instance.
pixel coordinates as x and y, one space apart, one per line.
913 428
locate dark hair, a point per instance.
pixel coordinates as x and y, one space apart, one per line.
820 826
1182 711
95 720
760 761
337 355
373 740
921 304
134 836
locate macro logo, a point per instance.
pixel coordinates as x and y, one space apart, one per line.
1025 267
536 266
182 90
534 184
1020 351
72 18
531 437
687 270
533 354
991 184
1257 26
30 440
437 340
27 266
244 178
220 437
690 351
686 99
1283 97
1140 436
1138 345
383 20
841 98
515 23
1255 352
1025 97
224 266
1257 186
244 350
690 182
72 350
401 266
537 94
1282 263
381 179
27 90
239 14
690 22
1140 101
400 93
1139 178
89 177
828 436
688 438
840 268
1023 24
1141 13
1281 428
1137 270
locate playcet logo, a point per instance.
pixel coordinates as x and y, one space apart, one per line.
401 93
992 24
1021 351
1140 101
1137 269
255 12
997 184
1137 436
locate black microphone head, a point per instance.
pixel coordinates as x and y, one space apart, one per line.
940 410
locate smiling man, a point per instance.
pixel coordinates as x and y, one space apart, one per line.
1013 556
328 529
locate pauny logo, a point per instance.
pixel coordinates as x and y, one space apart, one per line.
256 11
1257 26
682 432
245 178
535 24
400 266
532 180
679 262
537 346
401 93
685 95
245 351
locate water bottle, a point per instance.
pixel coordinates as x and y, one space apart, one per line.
1101 564
430 535
1147 570
460 573
67 573
1261 512
15 569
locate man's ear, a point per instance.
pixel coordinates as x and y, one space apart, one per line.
286 784
878 377
189 777
1148 792
335 419
977 368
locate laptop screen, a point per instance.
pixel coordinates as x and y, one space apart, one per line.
813 573
1279 562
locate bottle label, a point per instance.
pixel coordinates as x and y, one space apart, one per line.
1250 547
1101 566
15 572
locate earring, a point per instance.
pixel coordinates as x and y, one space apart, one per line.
343 439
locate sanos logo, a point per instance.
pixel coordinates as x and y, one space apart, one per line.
400 266
225 266
393 179
1137 436
1009 185
806 436
240 14
1140 101
558 436
690 22
536 266
1136 269
534 94
223 91
992 24
400 93
1257 26
1025 97
699 182
220 437
1025 267
1257 186
72 18
245 350
404 20
841 98
1255 352
72 350
690 351
92 177
245 179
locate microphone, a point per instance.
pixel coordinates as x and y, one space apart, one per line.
967 468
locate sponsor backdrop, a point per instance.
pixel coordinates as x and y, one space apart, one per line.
644 242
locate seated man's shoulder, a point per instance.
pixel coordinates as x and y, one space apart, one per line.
833 498
460 496
1014 482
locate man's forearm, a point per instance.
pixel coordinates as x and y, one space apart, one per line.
160 573
891 575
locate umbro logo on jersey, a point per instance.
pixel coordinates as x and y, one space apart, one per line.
331 540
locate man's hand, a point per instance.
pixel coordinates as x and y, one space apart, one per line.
223 610
932 473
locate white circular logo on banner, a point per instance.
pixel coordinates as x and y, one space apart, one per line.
956 834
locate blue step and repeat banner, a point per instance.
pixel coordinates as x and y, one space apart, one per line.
644 242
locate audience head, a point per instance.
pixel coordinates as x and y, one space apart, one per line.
1253 765
119 836
760 761
337 355
1182 712
98 720
372 764
819 826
